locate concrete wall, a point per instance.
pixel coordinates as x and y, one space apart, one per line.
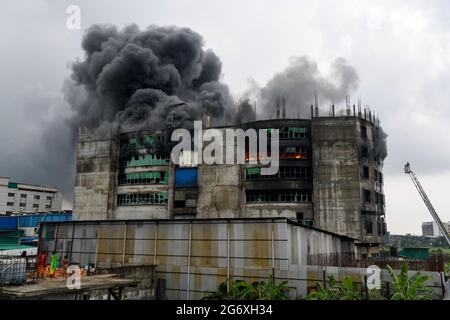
3 194
220 191
96 162
337 192
194 256
338 183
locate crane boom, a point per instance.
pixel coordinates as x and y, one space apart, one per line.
427 202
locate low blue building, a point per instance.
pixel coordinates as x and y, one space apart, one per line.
19 230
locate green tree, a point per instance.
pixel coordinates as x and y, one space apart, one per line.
447 269
347 290
409 288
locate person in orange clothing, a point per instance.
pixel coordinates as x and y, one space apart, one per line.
41 263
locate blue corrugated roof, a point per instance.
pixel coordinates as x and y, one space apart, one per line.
32 220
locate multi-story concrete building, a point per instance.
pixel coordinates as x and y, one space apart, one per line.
329 178
26 198
431 229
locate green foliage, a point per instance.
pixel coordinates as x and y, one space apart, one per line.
242 290
347 290
447 269
409 288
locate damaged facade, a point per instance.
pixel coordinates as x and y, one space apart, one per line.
330 178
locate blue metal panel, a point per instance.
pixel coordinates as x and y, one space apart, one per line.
186 177
32 221
8 223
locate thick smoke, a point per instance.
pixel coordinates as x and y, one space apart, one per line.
380 144
298 82
246 112
163 77
158 77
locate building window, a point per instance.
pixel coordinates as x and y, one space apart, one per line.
378 176
37 197
308 223
294 173
22 204
49 198
145 160
48 206
367 197
23 196
145 142
368 226
293 133
36 206
156 177
292 196
293 152
136 199
364 132
366 172
365 152
379 198
11 195
9 204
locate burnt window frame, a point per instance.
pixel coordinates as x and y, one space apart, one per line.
365 154
368 225
279 196
284 173
364 132
366 172
367 196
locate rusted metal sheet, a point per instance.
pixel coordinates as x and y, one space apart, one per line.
196 255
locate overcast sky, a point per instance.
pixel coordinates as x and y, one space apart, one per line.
400 49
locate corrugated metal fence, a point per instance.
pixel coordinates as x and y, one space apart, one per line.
194 256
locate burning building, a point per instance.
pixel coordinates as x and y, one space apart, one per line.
330 178
199 224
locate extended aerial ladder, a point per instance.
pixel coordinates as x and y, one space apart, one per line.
425 199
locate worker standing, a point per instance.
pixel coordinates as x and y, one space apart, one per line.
54 263
41 263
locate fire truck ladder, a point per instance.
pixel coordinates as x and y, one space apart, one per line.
427 202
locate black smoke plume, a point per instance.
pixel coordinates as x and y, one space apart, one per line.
298 82
157 77
380 144
246 112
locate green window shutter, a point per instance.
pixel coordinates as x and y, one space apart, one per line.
255 170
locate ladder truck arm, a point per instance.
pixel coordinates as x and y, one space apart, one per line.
427 202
